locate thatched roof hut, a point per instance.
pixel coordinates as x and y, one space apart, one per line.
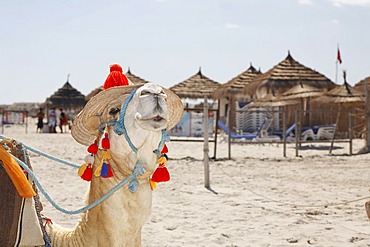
284 76
196 87
132 77
234 87
342 94
360 86
67 97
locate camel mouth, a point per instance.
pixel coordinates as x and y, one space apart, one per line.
157 118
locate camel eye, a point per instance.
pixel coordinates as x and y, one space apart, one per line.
114 111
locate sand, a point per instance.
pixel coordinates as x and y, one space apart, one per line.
258 198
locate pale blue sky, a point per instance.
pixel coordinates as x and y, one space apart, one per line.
166 41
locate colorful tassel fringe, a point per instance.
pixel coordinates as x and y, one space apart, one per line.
104 169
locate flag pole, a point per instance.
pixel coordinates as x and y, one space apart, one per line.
336 72
336 65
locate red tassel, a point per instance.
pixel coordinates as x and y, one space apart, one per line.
164 149
110 173
105 142
87 175
161 174
93 148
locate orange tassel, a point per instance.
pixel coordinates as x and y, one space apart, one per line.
153 185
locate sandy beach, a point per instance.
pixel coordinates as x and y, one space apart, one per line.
258 198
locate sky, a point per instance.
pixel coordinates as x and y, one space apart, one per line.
167 41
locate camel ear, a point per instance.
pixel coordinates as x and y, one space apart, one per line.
92 124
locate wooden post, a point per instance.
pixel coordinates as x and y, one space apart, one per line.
335 130
229 134
284 132
350 132
217 118
367 118
206 146
297 134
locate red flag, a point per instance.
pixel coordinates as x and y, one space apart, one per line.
339 57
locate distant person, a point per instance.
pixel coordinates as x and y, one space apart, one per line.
52 120
62 120
40 120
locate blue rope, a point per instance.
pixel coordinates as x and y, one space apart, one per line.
119 126
132 177
45 154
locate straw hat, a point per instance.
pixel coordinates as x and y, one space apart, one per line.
85 133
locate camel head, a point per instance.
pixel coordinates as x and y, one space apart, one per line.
132 114
152 112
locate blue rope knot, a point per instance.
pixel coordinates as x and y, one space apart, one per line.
138 171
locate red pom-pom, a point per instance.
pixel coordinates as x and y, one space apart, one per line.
161 174
105 142
164 149
87 175
115 77
93 148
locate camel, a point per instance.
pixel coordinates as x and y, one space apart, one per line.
135 125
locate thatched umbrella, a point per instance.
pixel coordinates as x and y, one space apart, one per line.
68 98
232 91
133 78
234 87
304 93
274 101
340 95
360 86
364 86
196 87
283 76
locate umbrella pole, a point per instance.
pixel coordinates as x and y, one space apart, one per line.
284 132
206 145
335 131
297 134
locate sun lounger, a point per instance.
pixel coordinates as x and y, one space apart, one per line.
325 132
233 134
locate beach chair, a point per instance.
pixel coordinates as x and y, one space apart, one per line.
325 132
234 135
263 135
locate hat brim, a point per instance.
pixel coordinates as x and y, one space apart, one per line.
82 132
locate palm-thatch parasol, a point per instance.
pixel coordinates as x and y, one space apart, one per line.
274 101
67 97
284 76
132 77
360 86
234 87
196 87
344 94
